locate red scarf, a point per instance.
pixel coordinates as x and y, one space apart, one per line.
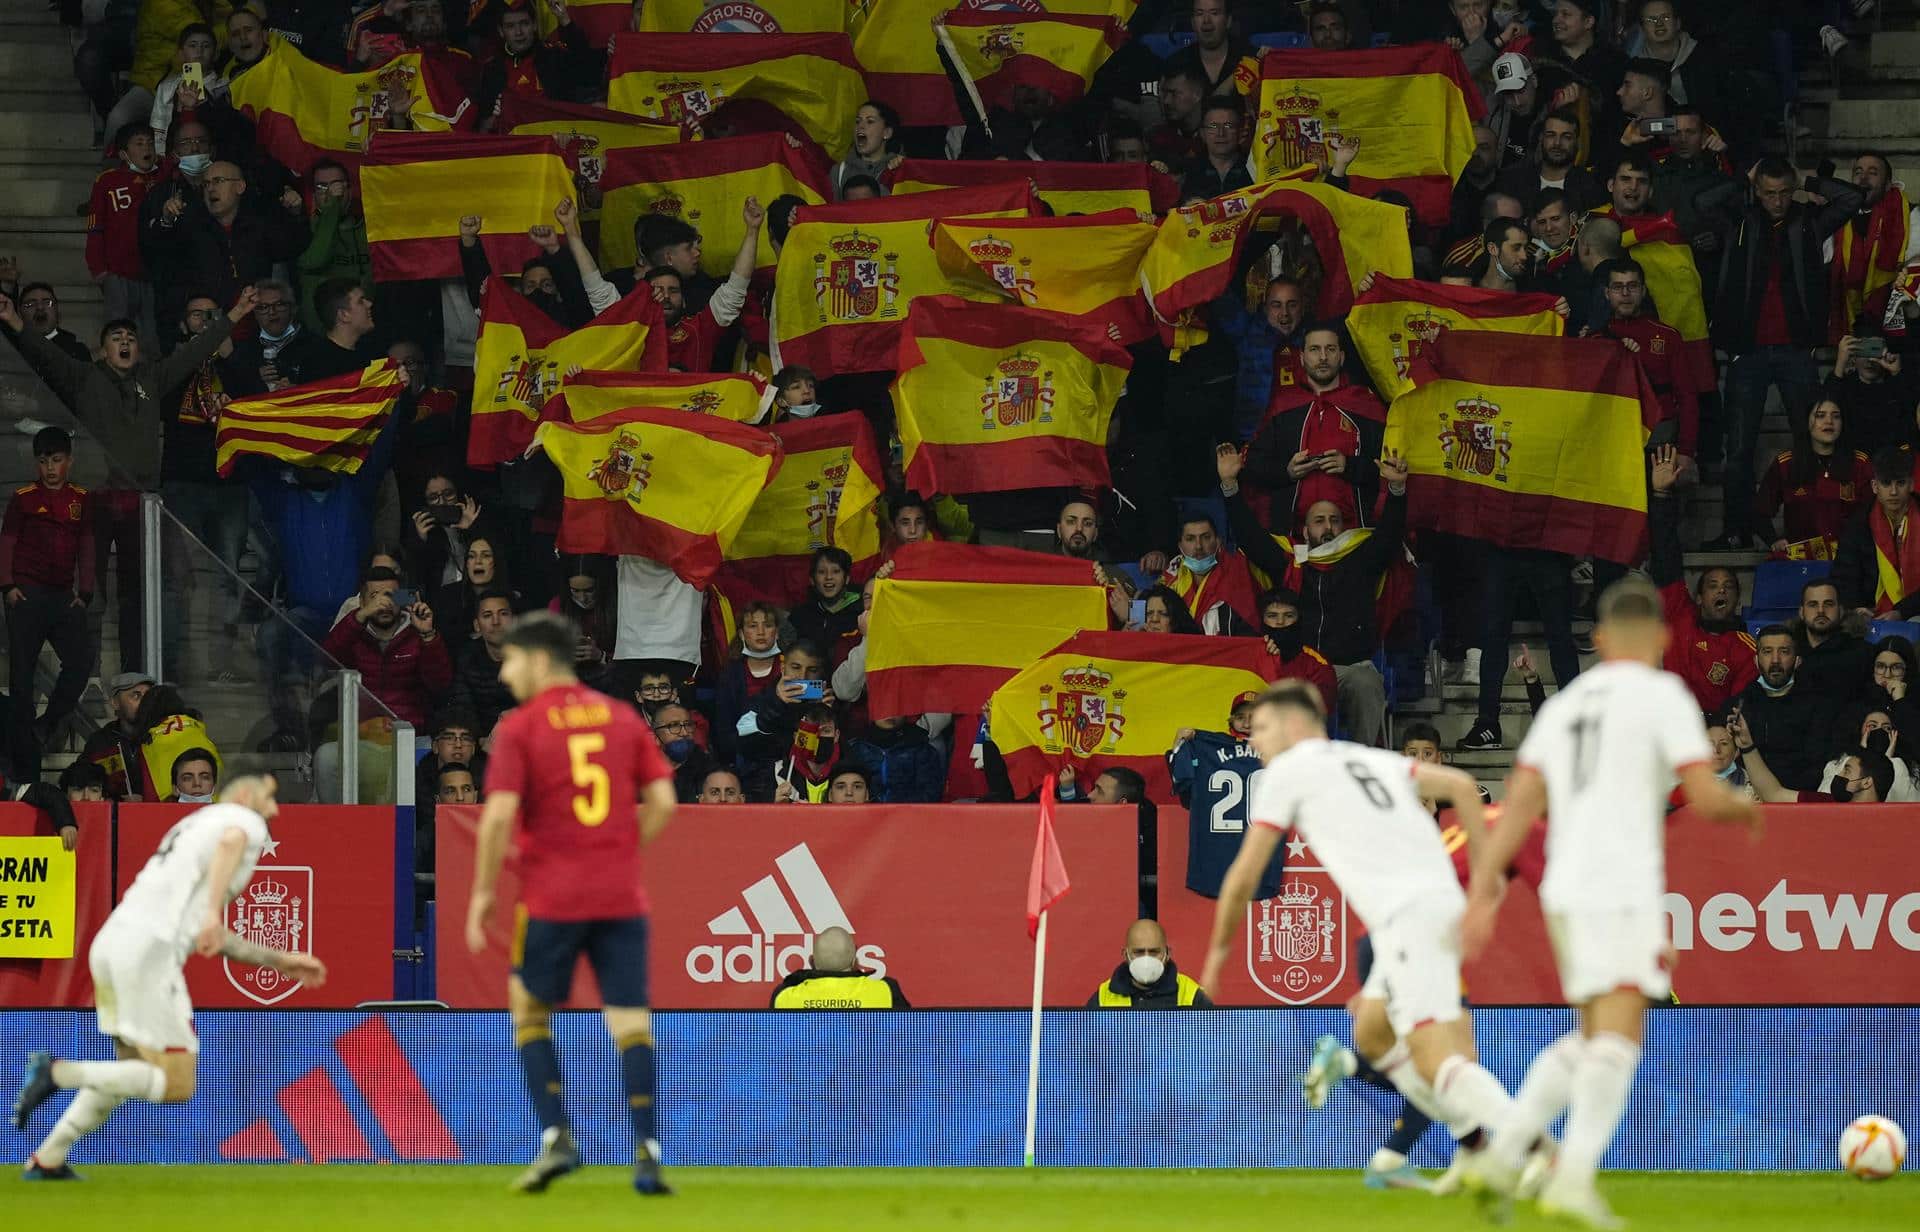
1863 267
1896 566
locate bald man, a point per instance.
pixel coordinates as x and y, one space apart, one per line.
1146 978
835 981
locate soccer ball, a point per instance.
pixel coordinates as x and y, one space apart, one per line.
1872 1148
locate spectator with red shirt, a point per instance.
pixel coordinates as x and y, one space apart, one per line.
46 578
562 67
1710 648
692 337
1659 348
400 656
1321 439
1818 484
113 227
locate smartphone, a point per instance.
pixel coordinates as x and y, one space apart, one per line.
194 74
1869 348
1137 612
812 690
445 515
404 598
1661 127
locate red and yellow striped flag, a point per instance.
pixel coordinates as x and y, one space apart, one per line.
742 397
745 16
1195 255
1397 318
328 425
824 496
416 188
955 622
672 487
997 50
1529 442
1100 700
1082 266
808 82
848 273
1673 283
303 112
1067 188
522 354
1412 108
599 20
704 184
585 134
991 398
895 44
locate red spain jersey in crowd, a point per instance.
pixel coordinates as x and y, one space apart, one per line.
578 761
113 221
1529 863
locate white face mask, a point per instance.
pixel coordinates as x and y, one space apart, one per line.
1146 970
804 411
195 799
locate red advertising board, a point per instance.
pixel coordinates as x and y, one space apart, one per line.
324 885
28 982
935 897
1823 910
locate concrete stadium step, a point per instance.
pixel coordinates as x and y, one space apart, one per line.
1872 120
68 128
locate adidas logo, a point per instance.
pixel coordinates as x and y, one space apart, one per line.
776 944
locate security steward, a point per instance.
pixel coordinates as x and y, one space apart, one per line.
1146 978
46 580
832 982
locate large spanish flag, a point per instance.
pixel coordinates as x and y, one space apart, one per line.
416 188
669 486
848 273
704 184
1673 283
1083 266
328 425
585 134
522 354
1397 318
742 397
996 50
1100 700
824 496
599 20
303 112
745 16
1067 188
808 82
1196 253
1529 442
895 43
991 398
1413 109
955 622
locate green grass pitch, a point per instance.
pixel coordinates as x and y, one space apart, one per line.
470 1199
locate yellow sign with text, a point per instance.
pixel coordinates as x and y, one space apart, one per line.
36 898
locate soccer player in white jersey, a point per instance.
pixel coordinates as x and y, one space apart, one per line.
1599 762
173 909
1359 808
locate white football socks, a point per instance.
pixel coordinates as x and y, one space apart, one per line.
1600 1088
126 1079
1542 1097
1397 1065
88 1111
1474 1093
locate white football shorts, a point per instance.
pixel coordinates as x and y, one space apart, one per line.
1416 967
140 992
1605 951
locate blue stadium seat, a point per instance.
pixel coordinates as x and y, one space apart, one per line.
1757 623
1777 583
1894 628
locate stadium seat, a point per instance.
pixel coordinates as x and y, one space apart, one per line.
1777 583
1908 629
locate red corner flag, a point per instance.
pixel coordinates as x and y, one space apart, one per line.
1047 883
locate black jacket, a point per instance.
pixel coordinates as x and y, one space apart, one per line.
196 255
1336 603
1856 572
1839 669
1793 732
476 685
1875 415
1747 248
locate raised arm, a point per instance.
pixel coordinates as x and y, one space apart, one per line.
731 296
1252 538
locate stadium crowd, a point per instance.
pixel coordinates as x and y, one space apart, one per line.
228 276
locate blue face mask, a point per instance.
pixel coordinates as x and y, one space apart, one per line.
1200 566
195 165
678 750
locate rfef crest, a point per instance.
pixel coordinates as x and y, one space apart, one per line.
1297 940
275 911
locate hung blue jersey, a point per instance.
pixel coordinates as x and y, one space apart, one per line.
1212 774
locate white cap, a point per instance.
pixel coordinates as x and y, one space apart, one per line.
1512 71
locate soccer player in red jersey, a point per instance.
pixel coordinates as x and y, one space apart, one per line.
582 774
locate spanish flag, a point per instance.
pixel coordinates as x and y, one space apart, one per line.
522 354
1196 254
995 51
585 134
1082 266
1102 700
672 487
1067 188
991 398
1396 318
328 425
164 744
1529 443
1413 109
1865 265
742 397
745 16
599 20
824 496
894 42
704 184
1673 283
303 112
416 188
955 622
808 83
848 273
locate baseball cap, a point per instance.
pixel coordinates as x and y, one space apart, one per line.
1245 699
1512 71
127 680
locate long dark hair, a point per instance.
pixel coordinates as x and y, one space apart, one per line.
1805 466
1183 621
600 621
162 702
